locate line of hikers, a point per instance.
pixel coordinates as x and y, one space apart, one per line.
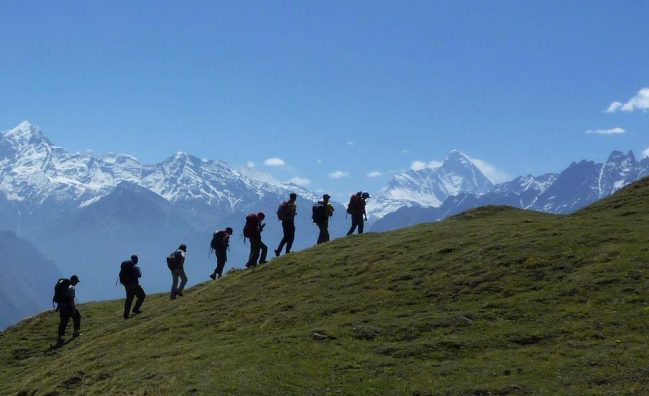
130 273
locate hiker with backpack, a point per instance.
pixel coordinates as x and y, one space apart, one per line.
220 244
252 230
129 276
356 208
286 213
176 264
322 211
64 295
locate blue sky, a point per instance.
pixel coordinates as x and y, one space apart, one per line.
331 86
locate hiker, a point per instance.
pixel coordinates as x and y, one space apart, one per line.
64 295
356 208
129 276
322 211
286 213
252 230
176 263
220 244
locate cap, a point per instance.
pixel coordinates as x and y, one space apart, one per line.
261 215
326 196
366 195
183 247
229 230
74 278
293 195
134 258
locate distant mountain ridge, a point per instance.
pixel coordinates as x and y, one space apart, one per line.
27 281
430 186
35 170
577 186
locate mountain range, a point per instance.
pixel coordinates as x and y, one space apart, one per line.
580 184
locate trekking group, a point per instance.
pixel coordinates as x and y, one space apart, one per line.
130 273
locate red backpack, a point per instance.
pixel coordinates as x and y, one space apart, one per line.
251 227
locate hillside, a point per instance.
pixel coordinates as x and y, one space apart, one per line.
495 300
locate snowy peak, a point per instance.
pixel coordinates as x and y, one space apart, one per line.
25 141
34 171
455 159
25 133
430 186
619 170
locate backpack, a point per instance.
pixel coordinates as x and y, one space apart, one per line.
126 272
283 211
250 229
61 291
319 212
355 204
217 240
171 261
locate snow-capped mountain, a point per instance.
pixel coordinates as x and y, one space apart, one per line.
577 186
34 170
429 187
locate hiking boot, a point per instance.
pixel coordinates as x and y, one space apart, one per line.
179 293
60 342
76 334
277 252
126 317
213 276
136 312
263 262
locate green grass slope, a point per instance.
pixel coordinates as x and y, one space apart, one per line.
492 301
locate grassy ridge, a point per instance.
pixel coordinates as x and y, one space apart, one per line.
495 300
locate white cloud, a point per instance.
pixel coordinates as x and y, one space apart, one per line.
250 164
639 102
494 174
404 151
613 107
318 161
275 161
338 174
612 131
351 144
645 153
419 165
374 174
300 181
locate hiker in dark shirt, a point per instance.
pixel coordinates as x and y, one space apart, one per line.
286 213
178 272
356 208
220 243
322 211
252 230
129 276
64 295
